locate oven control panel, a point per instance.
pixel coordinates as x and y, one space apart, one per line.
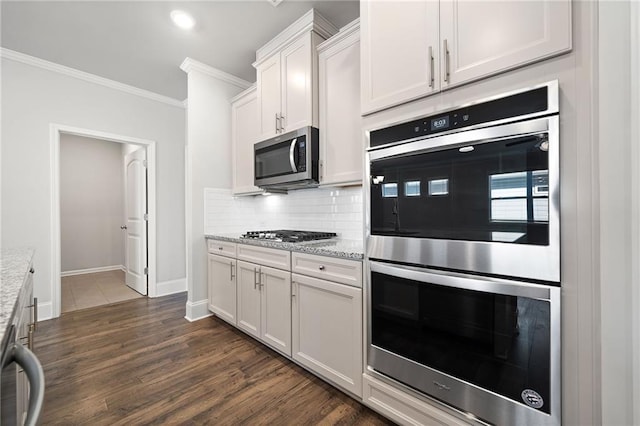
520 104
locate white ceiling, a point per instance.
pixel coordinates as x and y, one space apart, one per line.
135 42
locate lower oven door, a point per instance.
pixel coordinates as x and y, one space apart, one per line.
489 347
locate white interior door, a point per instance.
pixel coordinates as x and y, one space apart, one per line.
136 227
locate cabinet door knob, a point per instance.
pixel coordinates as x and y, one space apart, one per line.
321 267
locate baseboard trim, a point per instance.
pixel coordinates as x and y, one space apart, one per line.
197 310
45 311
166 288
92 270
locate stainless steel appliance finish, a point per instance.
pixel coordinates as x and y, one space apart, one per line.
488 405
13 356
500 255
288 161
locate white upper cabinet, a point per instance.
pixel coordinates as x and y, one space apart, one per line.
268 97
483 38
287 74
298 106
411 49
245 133
341 147
399 52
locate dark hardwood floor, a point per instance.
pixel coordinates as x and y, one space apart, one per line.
141 362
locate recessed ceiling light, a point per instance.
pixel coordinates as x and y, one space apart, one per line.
182 19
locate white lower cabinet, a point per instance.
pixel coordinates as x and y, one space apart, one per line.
327 330
403 408
264 304
222 287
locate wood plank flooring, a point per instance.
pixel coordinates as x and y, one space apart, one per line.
141 362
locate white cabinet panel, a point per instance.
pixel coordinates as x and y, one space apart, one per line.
268 86
244 134
248 298
487 37
266 256
275 286
329 268
411 49
296 84
264 304
223 248
403 408
222 287
399 46
327 330
341 147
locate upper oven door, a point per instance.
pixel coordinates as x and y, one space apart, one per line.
483 200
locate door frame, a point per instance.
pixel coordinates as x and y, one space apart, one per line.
56 130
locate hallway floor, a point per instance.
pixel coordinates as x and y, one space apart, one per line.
90 290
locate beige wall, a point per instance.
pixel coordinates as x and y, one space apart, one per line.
91 203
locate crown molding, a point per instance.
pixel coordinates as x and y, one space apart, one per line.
244 93
351 28
91 78
310 21
189 65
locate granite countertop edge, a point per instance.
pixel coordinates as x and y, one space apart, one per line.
15 266
346 249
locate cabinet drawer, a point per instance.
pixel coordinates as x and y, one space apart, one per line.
328 268
280 259
403 408
223 248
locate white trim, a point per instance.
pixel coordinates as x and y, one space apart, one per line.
635 207
197 310
189 65
166 288
91 78
45 311
240 95
55 130
92 270
310 21
351 28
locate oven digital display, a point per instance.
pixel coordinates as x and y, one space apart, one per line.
440 123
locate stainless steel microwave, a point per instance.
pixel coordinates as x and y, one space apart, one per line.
288 161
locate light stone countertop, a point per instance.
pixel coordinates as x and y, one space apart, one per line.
15 266
334 247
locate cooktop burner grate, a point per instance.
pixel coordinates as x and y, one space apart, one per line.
288 235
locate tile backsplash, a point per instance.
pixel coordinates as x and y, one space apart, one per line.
336 210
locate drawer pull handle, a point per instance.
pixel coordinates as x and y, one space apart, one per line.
321 267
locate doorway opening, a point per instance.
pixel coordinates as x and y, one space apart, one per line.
103 218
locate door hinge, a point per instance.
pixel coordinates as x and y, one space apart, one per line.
146 216
146 270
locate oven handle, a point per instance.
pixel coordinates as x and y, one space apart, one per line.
292 160
31 366
449 279
467 137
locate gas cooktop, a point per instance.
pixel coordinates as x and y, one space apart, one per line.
288 236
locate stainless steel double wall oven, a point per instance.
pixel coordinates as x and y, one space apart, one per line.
463 252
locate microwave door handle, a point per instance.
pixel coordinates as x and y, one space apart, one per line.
292 160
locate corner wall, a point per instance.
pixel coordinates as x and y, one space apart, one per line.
208 165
